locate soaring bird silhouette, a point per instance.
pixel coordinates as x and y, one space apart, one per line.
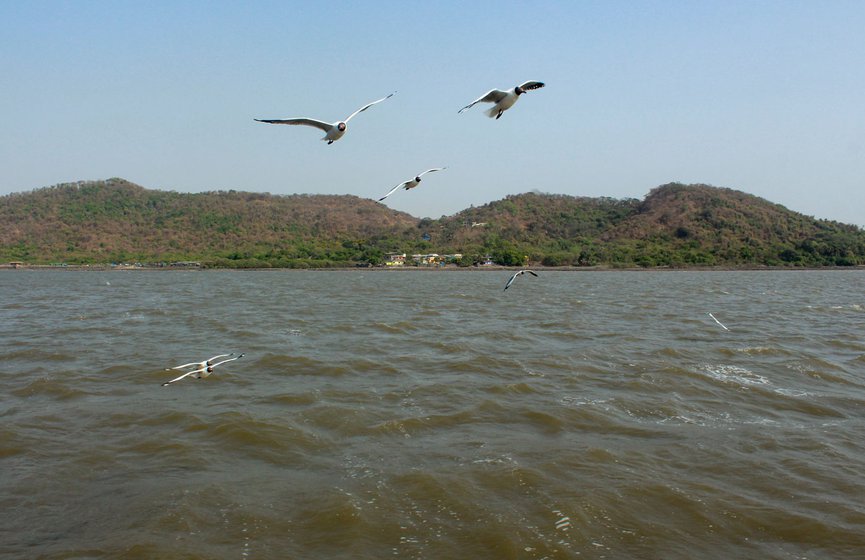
514 277
503 100
333 131
411 183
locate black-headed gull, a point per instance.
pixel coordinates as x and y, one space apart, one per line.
333 131
203 371
514 277
503 100
200 365
411 183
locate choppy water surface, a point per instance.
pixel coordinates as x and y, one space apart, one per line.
431 415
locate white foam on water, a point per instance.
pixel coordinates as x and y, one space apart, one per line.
792 392
752 350
582 401
734 374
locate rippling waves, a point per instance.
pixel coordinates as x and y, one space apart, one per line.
431 415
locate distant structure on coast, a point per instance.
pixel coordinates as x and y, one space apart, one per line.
431 259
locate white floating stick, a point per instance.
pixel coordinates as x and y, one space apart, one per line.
719 322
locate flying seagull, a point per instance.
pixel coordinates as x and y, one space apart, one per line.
199 365
411 183
503 100
203 371
333 131
514 277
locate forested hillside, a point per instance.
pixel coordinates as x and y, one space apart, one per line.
117 221
675 225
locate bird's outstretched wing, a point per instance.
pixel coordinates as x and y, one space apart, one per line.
198 364
228 360
367 106
220 356
431 170
393 190
511 281
187 374
301 120
492 96
531 84
183 366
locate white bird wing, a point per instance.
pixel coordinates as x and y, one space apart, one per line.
511 281
199 364
492 96
228 360
531 84
393 190
300 120
220 356
431 170
187 374
532 272
367 106
196 364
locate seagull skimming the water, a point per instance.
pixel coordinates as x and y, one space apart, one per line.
503 100
204 371
199 365
514 277
411 183
333 131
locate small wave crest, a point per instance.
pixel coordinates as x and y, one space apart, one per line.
733 374
49 387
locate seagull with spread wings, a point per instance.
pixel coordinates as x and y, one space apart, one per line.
199 365
333 131
203 371
411 183
503 100
514 277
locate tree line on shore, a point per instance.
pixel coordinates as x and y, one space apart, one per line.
675 225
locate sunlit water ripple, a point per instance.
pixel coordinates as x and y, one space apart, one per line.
433 415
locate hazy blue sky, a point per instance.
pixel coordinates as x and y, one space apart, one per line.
760 96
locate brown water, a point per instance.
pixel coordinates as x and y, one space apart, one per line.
432 415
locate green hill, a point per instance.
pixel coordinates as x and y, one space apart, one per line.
699 224
675 225
117 221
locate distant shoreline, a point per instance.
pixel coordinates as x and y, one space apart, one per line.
490 268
